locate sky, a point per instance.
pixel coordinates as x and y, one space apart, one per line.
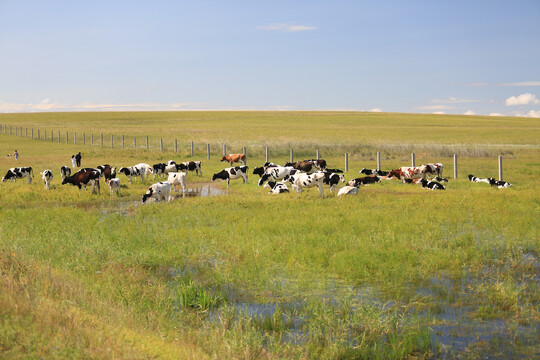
454 57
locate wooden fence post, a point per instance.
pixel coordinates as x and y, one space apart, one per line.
84 138
135 143
292 155
44 134
123 143
161 144
267 154
75 138
192 149
208 150
147 147
224 150
346 162
378 160
38 137
101 139
67 137
455 167
413 159
318 154
500 169
245 155
59 136
112 141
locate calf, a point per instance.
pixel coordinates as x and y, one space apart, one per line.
276 187
303 180
114 186
232 173
499 183
191 166
232 158
332 179
473 178
348 190
364 181
47 176
18 173
177 178
158 191
431 185
84 178
276 173
65 171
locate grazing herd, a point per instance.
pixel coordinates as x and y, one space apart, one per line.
299 175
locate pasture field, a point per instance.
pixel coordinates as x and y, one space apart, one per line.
396 272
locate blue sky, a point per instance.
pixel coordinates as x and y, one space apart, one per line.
453 57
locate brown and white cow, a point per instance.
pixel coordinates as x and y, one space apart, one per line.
84 178
409 172
233 158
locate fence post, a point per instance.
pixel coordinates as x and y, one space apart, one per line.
224 149
26 132
44 135
52 136
500 169
346 162
455 166
267 154
38 137
92 139
101 139
161 145
412 159
75 138
378 160
17 131
112 141
84 138
122 141
67 137
318 154
59 136
135 143
32 133
11 130
292 155
192 149
147 142
208 150
245 155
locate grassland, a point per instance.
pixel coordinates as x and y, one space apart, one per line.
395 272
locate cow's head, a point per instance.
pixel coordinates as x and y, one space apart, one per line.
220 175
395 173
147 195
224 158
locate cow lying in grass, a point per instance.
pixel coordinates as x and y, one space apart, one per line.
499 183
364 181
276 187
432 185
348 190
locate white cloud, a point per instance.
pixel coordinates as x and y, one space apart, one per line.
375 110
469 112
286 27
438 112
496 114
534 113
523 99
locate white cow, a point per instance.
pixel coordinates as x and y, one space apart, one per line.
178 178
47 176
303 180
158 191
348 190
114 186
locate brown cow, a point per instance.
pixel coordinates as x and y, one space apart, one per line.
84 178
232 158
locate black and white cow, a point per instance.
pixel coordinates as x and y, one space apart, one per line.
374 172
260 170
141 170
232 173
364 181
332 179
159 169
47 176
277 173
348 190
276 187
106 171
303 180
158 191
65 171
191 166
18 173
499 183
177 178
440 179
432 185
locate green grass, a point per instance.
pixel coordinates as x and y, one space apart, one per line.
248 275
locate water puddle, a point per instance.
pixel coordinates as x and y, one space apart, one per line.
202 191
